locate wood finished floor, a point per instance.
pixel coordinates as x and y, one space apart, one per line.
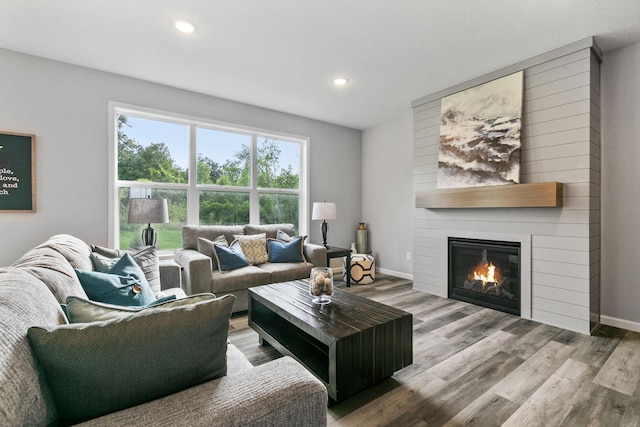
476 366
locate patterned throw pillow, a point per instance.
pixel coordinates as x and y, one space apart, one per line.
254 247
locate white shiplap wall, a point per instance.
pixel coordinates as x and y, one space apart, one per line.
560 142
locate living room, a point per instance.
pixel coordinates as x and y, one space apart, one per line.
364 165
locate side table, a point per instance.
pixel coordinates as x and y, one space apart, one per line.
334 252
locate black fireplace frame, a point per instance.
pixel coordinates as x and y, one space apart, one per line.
478 298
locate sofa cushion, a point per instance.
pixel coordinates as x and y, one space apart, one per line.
81 310
242 278
205 246
54 270
124 284
24 301
283 272
254 247
147 258
102 367
190 233
269 229
229 258
291 251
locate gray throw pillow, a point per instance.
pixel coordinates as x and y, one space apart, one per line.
205 246
80 310
281 235
97 368
285 237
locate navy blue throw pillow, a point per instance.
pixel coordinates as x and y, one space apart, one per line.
286 251
230 258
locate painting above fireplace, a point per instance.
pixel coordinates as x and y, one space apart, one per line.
480 135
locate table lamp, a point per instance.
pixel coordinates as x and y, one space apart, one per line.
148 210
324 211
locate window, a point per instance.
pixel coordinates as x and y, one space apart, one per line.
209 174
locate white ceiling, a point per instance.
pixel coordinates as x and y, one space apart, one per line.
283 54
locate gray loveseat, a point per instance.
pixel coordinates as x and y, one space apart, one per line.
200 276
280 392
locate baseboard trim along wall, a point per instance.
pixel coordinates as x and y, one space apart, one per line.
395 273
620 323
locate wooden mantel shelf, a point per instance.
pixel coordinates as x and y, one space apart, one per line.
534 195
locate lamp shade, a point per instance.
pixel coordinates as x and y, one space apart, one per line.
323 211
147 211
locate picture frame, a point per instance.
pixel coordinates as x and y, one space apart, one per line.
17 172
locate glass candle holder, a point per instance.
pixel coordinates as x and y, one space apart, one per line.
321 285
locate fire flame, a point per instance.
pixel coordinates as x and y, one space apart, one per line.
487 276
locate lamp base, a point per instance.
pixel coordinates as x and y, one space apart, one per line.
149 236
325 226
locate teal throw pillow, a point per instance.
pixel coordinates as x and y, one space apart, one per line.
147 258
80 310
286 252
98 368
124 284
230 258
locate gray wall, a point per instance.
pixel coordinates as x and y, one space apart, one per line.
620 192
387 193
621 187
66 107
560 142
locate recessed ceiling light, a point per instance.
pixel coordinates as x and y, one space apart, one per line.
340 81
184 26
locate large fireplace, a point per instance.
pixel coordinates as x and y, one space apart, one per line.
485 272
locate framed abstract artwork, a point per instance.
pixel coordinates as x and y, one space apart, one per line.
480 135
17 172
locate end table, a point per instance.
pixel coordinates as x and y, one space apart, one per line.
335 252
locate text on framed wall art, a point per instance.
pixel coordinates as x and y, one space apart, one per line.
17 172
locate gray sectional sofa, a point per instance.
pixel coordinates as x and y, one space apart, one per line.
199 274
280 392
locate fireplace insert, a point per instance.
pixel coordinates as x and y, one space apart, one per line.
486 273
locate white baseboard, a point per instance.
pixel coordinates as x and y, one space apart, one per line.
395 273
620 323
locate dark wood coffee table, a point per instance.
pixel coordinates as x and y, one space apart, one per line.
349 344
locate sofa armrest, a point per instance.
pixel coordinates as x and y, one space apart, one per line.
278 393
315 254
170 274
197 270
